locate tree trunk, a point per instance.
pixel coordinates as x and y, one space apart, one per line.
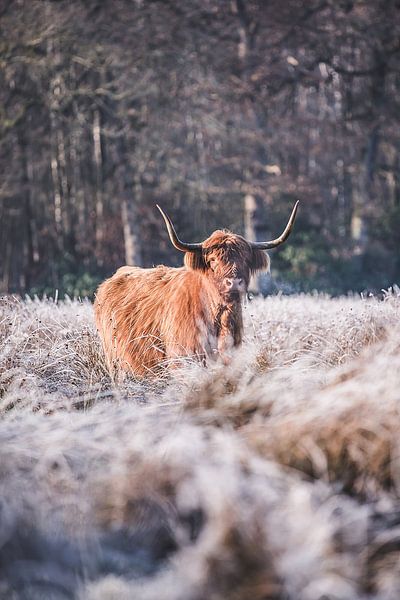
131 229
129 213
98 186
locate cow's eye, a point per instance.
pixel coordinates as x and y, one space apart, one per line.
213 264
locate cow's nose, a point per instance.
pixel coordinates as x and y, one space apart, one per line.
233 283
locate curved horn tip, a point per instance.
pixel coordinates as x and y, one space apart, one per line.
295 207
284 235
179 245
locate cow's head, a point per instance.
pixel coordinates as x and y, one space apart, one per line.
228 259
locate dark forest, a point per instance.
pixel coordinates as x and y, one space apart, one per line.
224 113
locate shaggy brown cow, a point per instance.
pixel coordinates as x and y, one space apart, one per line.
147 316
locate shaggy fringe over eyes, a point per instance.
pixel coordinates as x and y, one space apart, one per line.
260 261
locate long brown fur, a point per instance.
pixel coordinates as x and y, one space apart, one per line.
147 316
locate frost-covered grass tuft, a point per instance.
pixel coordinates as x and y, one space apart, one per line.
277 477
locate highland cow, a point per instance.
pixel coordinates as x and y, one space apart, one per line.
149 316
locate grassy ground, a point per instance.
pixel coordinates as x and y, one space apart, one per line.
276 477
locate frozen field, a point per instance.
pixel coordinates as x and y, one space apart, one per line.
277 477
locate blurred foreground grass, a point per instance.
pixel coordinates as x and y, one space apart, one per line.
275 477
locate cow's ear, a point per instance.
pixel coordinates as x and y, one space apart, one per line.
195 261
259 261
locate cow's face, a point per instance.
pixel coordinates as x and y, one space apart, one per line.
228 260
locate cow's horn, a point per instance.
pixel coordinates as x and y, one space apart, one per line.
182 246
282 238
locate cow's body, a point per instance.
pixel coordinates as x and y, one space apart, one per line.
150 316
146 316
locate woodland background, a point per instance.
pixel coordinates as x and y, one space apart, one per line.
222 112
